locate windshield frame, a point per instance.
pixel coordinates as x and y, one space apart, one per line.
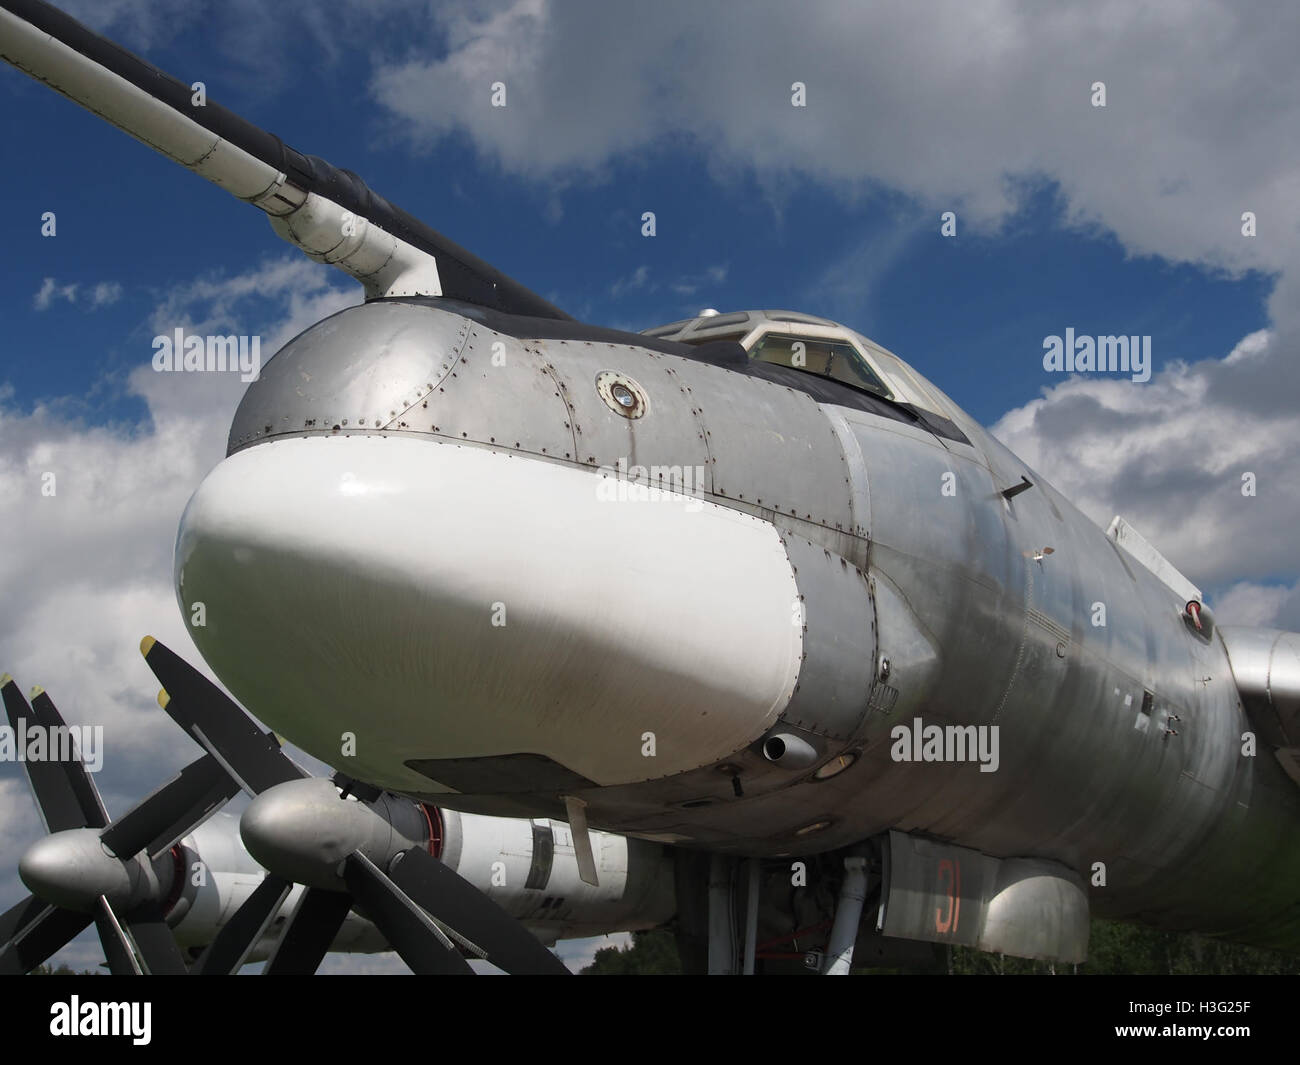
837 335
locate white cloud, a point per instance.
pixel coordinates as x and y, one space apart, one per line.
105 293
140 23
87 570
294 293
635 282
101 294
50 291
690 284
1268 605
956 106
640 281
1170 455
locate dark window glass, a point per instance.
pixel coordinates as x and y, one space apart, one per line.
826 358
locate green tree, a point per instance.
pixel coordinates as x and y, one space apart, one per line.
61 970
649 954
1114 948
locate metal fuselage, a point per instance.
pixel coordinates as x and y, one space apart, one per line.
504 563
427 560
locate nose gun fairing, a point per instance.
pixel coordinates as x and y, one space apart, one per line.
365 571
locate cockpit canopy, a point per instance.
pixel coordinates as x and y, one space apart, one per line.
813 345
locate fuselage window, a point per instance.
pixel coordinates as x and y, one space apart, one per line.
827 358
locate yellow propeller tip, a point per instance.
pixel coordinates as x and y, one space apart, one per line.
163 698
36 691
146 645
6 680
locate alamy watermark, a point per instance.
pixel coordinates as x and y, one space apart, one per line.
54 743
919 742
623 483
213 354
1108 354
77 1018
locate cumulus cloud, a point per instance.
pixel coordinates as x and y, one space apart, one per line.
956 105
288 293
88 518
1269 605
1179 456
88 513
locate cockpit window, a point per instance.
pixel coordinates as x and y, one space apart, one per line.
827 358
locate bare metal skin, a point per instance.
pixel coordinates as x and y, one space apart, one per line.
746 586
905 550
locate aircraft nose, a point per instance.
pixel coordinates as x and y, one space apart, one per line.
400 606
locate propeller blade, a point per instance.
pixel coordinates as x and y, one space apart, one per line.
153 825
238 936
18 917
117 948
406 927
88 798
216 722
32 931
458 904
51 784
311 930
155 942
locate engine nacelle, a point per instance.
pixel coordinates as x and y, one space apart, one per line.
530 869
1266 667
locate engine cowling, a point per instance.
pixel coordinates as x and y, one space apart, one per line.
1266 667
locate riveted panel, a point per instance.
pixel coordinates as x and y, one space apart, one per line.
937 892
659 432
770 445
839 647
357 369
501 393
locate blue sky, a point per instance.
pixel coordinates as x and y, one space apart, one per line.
970 312
1123 220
